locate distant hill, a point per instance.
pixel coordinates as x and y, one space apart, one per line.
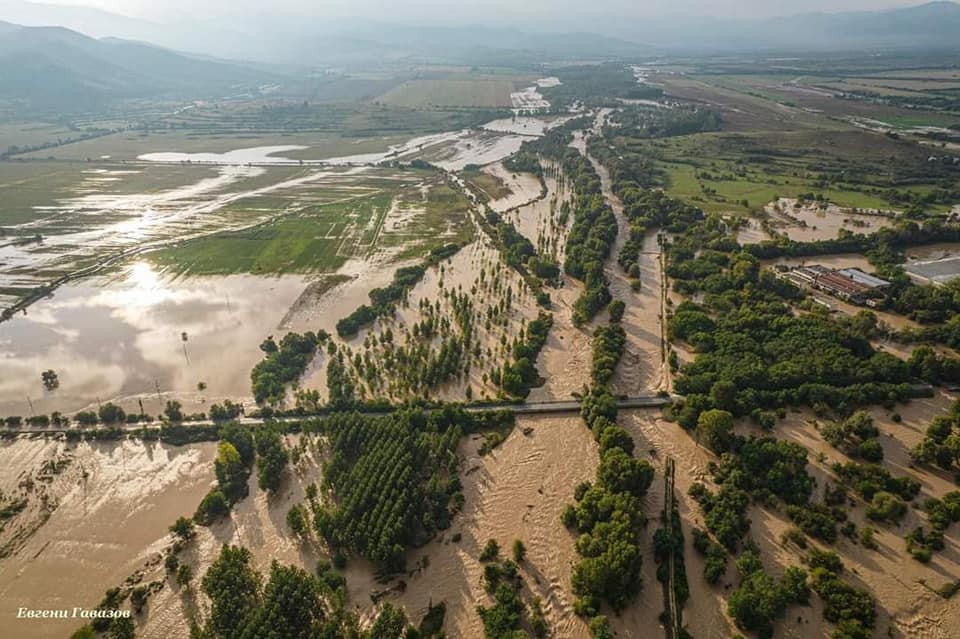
935 25
467 42
95 23
54 67
931 25
274 38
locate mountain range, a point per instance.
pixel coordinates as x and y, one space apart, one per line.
297 42
50 66
934 25
53 55
275 38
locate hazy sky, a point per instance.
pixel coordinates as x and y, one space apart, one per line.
493 11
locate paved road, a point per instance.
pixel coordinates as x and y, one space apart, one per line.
525 408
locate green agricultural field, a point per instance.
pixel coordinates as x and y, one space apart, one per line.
316 229
920 118
316 240
460 90
28 189
757 189
29 134
486 183
328 130
719 171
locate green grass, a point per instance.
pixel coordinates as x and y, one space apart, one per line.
718 171
756 190
920 118
492 185
317 230
24 186
318 239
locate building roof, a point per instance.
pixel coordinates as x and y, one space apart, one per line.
859 276
842 284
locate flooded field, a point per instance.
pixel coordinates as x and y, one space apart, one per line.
478 271
93 229
516 492
255 155
934 264
530 98
144 333
478 148
97 514
809 222
139 336
751 232
835 261
527 125
907 605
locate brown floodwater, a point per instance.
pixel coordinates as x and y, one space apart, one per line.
122 339
906 605
112 504
809 223
523 187
751 233
516 492
643 366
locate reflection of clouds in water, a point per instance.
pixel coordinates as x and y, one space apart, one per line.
122 337
80 377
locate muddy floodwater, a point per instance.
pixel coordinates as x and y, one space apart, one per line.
518 491
140 336
255 155
936 263
111 504
810 222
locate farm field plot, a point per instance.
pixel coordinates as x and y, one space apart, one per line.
326 129
741 173
462 90
30 191
316 228
756 100
91 220
18 135
129 145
